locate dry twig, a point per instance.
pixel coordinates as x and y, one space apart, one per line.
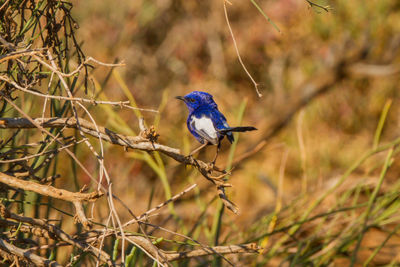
27 255
56 232
47 190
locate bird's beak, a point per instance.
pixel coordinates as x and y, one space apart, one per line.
180 98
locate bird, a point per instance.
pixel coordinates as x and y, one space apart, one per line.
206 123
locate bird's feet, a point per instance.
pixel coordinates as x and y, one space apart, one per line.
190 159
211 166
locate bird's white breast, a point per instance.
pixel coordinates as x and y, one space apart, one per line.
205 125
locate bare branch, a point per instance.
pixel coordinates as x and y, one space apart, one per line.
125 104
42 153
140 142
54 230
173 256
27 254
135 142
89 59
47 190
17 54
232 249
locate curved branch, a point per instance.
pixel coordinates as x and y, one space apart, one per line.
48 190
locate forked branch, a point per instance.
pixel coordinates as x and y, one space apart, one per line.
46 190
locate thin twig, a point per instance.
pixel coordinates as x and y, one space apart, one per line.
89 59
43 152
147 213
125 104
237 50
325 8
53 229
232 249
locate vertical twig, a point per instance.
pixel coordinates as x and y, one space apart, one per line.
237 50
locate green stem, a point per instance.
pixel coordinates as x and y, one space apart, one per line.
371 202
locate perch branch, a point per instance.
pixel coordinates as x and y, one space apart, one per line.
135 142
141 142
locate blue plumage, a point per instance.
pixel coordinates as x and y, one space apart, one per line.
205 122
205 133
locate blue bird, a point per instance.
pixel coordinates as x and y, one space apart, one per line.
206 123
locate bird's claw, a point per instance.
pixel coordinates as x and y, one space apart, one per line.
211 166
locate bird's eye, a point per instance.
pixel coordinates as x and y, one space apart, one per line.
192 100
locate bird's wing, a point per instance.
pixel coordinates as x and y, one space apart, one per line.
221 124
203 125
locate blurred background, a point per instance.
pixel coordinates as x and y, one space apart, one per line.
174 47
305 182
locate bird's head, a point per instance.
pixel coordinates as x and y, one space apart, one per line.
197 99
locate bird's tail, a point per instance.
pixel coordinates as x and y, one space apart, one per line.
237 129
